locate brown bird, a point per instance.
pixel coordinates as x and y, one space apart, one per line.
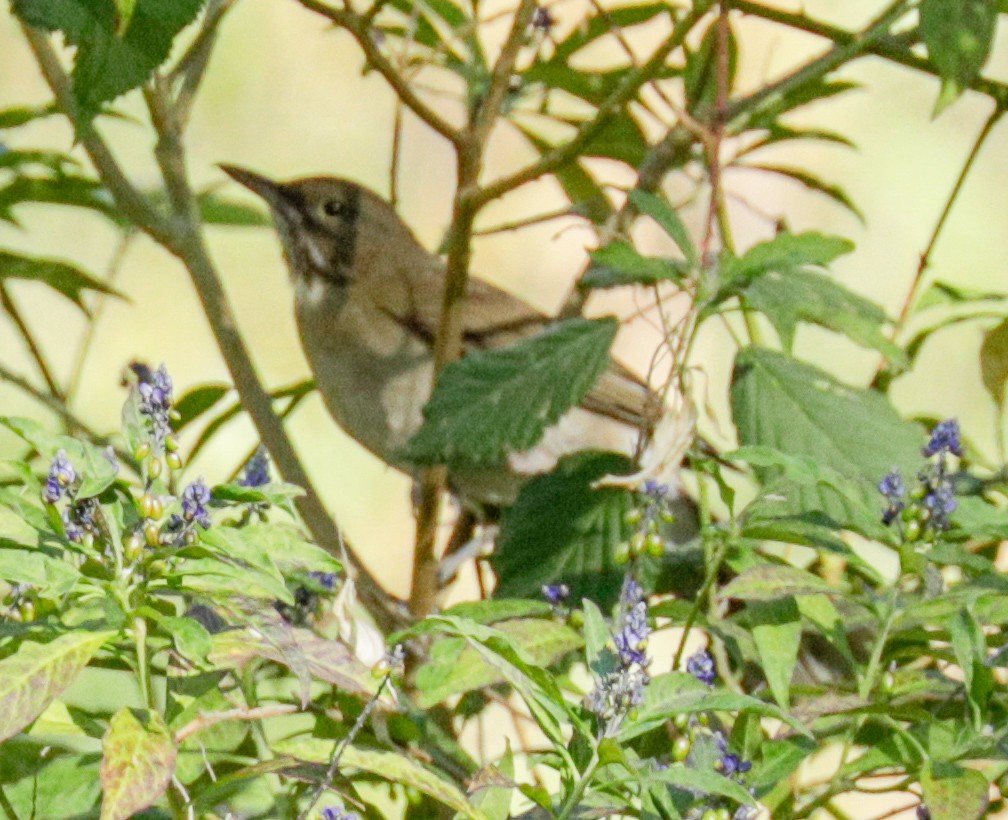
368 300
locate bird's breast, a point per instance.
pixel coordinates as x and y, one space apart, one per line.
373 374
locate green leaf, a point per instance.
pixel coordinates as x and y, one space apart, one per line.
37 673
789 297
61 189
456 667
958 35
49 576
562 530
619 264
813 183
497 609
776 631
970 647
799 409
994 362
62 277
677 693
786 252
109 62
668 220
954 793
391 766
497 401
198 401
216 209
21 114
96 471
62 787
697 780
137 764
771 582
596 632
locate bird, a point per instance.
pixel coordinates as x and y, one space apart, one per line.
367 301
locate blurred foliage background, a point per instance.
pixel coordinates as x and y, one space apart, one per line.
285 95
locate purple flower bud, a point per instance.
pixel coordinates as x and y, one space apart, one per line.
556 594
337 813
195 497
945 438
257 470
701 666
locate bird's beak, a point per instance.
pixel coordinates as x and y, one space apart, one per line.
274 193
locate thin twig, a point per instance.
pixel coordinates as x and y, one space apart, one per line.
29 339
208 719
360 27
52 402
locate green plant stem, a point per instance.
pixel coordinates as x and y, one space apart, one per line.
6 805
713 562
583 781
143 662
925 258
891 48
869 680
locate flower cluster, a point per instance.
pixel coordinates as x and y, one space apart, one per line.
61 476
730 764
195 498
925 509
653 508
620 687
155 390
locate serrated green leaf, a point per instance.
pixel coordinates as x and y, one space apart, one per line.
62 277
37 673
391 766
801 410
668 220
771 582
619 264
137 764
785 252
958 35
463 669
108 62
561 529
494 402
954 793
789 297
776 631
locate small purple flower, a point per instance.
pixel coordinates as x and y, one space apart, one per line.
730 763
940 501
337 813
556 594
656 490
195 497
631 640
632 593
61 475
894 490
923 812
326 580
257 470
701 666
945 438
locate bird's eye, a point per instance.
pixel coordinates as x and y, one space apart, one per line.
333 207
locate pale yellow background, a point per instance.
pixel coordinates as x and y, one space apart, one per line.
285 96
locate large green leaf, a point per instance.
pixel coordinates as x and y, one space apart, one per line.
62 277
801 410
59 189
776 631
958 35
785 252
561 529
954 793
792 296
111 58
496 401
392 766
455 667
137 764
37 673
619 264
